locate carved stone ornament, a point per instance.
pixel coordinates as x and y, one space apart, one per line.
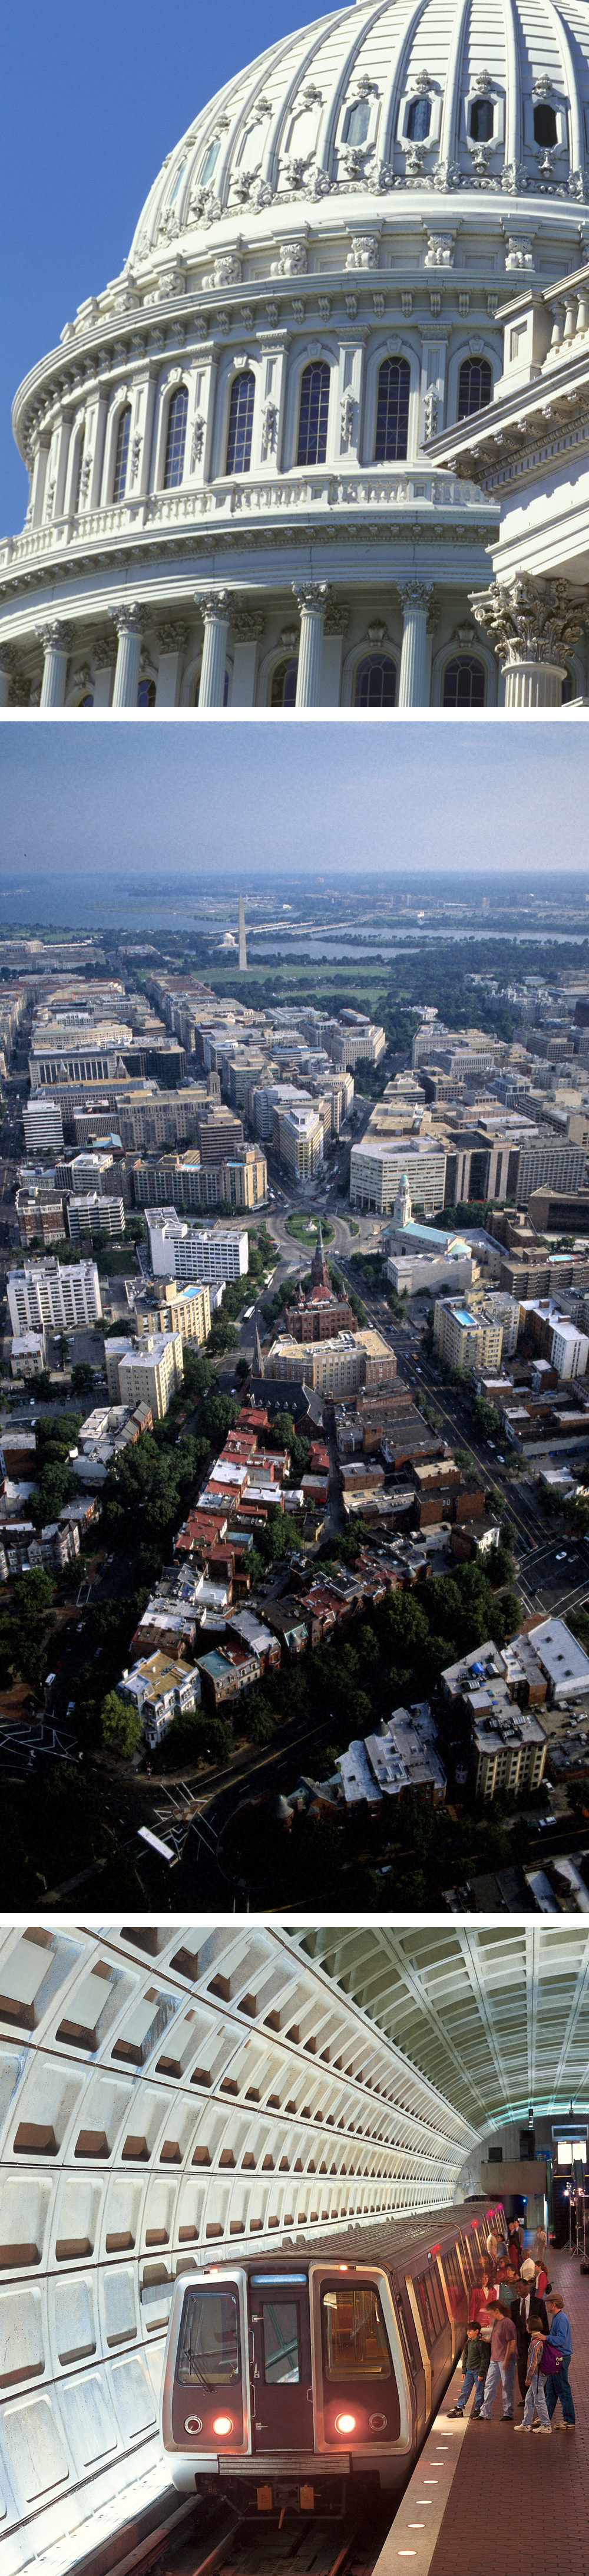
216 605
364 251
289 637
198 431
82 678
131 619
248 625
530 621
269 426
432 405
136 446
337 618
54 638
376 633
483 84
347 416
172 637
440 250
422 84
7 660
312 597
292 260
103 653
519 253
415 595
226 272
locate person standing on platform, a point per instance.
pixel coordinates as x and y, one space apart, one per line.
557 2383
475 2365
501 2368
514 2243
526 2304
535 2387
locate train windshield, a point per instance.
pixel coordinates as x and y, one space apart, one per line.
354 2339
209 2339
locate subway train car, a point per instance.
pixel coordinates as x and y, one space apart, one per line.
292 2378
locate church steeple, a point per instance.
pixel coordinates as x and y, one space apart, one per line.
319 1265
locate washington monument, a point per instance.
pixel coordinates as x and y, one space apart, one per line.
242 938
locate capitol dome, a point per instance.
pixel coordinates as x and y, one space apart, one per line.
231 500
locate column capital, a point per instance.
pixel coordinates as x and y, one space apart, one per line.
215 604
247 625
529 621
312 596
173 637
56 637
415 594
131 618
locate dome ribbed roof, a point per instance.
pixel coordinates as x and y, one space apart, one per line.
323 113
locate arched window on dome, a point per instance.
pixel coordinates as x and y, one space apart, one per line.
241 415
545 126
392 410
283 690
88 701
176 439
357 121
418 120
465 682
209 163
146 693
475 386
122 455
376 681
313 414
481 120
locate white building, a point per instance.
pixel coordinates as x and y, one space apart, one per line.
160 1690
177 1251
48 1294
42 1120
298 1139
311 292
377 1166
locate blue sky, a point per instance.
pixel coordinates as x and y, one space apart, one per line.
240 797
92 100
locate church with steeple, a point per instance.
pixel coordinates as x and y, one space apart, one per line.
324 1310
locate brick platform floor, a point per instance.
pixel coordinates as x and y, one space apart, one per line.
517 2508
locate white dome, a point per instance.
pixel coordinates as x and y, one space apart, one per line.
278 136
244 413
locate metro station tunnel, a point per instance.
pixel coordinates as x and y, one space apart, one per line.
257 2183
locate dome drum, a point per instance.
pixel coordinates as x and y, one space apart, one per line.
311 294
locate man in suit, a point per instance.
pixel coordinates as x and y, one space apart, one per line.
527 2301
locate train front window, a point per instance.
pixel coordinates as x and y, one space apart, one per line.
354 2339
209 2340
281 2342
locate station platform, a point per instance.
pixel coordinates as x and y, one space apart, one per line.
486 2504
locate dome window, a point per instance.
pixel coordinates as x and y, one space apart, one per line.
376 681
464 682
209 163
475 386
545 128
481 120
312 446
176 440
418 120
392 411
357 121
239 443
122 454
146 693
283 692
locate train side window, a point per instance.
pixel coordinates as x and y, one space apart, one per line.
436 2300
209 2341
281 2342
426 2311
408 2336
354 2339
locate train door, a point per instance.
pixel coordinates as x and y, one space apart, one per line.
280 2362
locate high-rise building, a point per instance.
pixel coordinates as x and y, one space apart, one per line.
47 1293
177 1251
148 1371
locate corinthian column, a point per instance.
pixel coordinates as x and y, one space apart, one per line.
532 625
6 672
312 599
129 622
416 600
215 608
55 641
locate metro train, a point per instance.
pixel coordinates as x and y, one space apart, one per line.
294 2379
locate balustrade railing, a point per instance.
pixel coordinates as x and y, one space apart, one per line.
330 491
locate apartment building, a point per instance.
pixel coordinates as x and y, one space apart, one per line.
90 1214
186 1311
466 1339
148 1371
178 1251
48 1295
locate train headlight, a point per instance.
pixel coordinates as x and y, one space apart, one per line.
222 2424
345 2423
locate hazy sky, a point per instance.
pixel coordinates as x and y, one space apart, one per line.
91 102
292 796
